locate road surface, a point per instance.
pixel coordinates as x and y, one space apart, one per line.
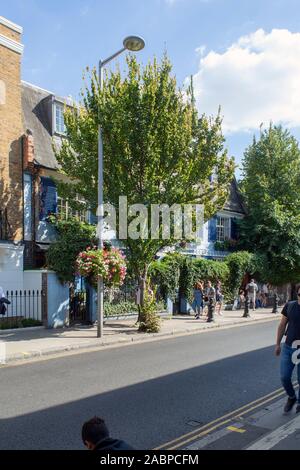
149 394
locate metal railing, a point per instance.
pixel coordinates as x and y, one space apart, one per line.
117 295
24 309
119 302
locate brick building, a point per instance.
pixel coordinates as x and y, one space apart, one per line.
11 169
31 119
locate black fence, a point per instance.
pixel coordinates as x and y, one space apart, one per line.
19 309
117 302
118 295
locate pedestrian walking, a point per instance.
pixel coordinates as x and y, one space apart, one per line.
265 290
241 298
198 299
259 299
219 297
252 289
289 326
95 436
263 299
209 293
3 301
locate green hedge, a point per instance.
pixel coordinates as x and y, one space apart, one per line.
126 308
239 264
194 270
165 274
121 308
177 271
11 323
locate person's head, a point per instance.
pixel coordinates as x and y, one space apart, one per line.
198 285
94 431
208 283
219 283
252 280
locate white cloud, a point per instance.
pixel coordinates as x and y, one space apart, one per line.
255 80
200 50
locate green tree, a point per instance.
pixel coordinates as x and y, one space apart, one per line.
271 188
73 237
157 149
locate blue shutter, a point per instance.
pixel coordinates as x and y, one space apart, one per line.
234 229
212 229
92 218
48 198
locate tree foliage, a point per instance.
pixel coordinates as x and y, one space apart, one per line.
165 274
157 149
73 237
239 264
271 188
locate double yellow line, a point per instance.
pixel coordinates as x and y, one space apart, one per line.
221 421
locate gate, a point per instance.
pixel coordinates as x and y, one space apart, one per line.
79 306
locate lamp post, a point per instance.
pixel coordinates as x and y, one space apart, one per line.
134 44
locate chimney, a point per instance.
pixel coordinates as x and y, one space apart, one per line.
28 149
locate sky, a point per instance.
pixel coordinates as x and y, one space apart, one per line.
244 55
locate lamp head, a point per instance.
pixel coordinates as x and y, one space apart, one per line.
134 43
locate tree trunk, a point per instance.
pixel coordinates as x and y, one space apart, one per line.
142 286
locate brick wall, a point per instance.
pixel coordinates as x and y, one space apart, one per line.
11 130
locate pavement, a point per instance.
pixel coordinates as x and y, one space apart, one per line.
268 428
34 343
149 392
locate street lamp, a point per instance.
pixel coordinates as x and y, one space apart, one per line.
134 44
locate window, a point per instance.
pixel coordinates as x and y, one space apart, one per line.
62 208
59 118
223 229
65 211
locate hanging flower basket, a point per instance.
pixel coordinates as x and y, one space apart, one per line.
106 263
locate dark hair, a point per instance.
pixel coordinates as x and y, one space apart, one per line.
94 430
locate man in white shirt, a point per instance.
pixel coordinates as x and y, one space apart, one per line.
251 289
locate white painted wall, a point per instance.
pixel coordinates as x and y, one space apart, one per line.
33 279
11 266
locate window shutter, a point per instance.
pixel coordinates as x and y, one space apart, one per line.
212 229
93 219
234 229
48 198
